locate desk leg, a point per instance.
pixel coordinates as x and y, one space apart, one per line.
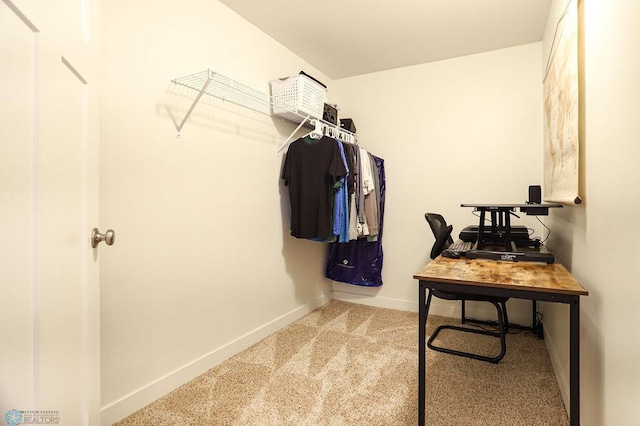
422 340
574 369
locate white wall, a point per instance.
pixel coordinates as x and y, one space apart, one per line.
582 235
479 114
203 263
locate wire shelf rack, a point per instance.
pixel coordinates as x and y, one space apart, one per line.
217 85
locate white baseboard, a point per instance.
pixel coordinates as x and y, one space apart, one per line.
441 308
142 397
376 301
561 377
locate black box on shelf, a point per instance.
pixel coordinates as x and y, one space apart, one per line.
330 114
347 124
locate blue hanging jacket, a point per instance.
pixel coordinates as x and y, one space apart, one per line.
359 262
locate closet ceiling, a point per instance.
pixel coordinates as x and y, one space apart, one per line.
343 38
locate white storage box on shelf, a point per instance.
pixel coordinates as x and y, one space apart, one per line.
298 96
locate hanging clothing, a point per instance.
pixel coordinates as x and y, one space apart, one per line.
371 204
312 169
374 204
349 151
354 199
341 203
360 262
366 186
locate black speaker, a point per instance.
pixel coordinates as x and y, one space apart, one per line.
330 114
535 194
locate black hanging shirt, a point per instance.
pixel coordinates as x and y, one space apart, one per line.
312 169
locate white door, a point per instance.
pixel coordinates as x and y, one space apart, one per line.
49 321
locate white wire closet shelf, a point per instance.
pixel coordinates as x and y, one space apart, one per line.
213 84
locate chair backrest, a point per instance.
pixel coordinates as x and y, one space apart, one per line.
441 232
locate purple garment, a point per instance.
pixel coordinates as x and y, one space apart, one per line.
359 262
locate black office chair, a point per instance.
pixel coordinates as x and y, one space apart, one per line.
442 233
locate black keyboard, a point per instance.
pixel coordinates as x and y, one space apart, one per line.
460 246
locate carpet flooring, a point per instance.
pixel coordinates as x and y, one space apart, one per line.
351 364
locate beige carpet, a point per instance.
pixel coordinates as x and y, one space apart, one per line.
350 364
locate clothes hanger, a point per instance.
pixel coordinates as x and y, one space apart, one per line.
316 133
321 129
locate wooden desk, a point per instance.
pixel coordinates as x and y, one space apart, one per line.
521 280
